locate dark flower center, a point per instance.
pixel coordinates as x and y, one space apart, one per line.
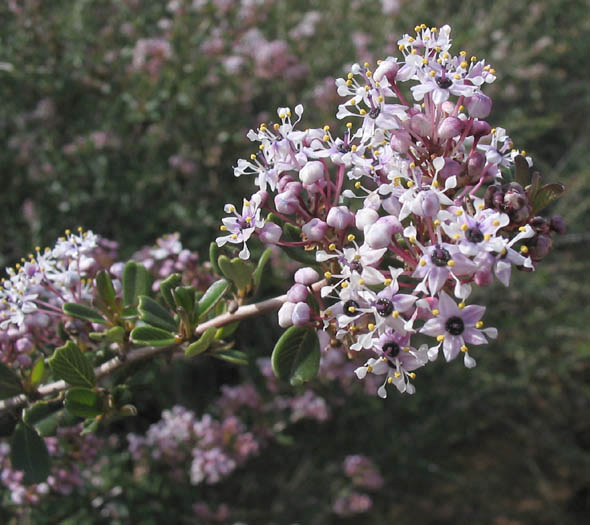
343 147
350 307
374 113
384 307
444 83
474 235
355 265
440 257
455 325
391 348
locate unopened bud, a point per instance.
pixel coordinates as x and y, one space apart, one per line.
301 314
479 105
340 217
475 165
270 233
380 233
315 229
365 217
387 69
480 128
450 169
306 276
400 140
421 125
540 247
282 183
558 224
311 172
483 278
286 202
285 314
450 127
426 204
297 293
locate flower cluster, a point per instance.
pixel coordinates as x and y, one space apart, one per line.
362 473
403 213
34 291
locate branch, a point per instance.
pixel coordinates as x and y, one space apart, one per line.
243 312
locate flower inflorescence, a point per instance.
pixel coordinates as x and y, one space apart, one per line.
404 212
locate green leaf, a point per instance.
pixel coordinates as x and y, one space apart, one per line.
105 288
116 334
236 270
37 373
83 312
40 411
296 356
234 357
212 296
184 297
28 452
227 331
546 195
70 364
10 383
136 282
213 256
83 402
259 272
152 336
153 313
202 344
90 426
522 171
166 287
7 423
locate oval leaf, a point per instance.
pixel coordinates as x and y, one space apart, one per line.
166 287
28 452
37 373
236 270
152 336
213 256
83 402
235 357
70 364
105 288
546 195
83 312
522 171
202 344
296 356
10 383
259 272
136 282
212 296
153 313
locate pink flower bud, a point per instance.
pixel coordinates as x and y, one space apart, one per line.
297 293
558 224
448 107
480 128
387 69
365 217
294 187
380 233
340 217
450 127
311 172
475 164
286 202
306 276
285 314
451 167
479 105
262 195
24 344
400 140
426 204
315 229
282 184
421 125
301 314
270 233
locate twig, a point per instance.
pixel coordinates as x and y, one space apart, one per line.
243 312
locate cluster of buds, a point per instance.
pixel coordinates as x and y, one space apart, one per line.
401 215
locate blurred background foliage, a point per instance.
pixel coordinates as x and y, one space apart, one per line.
126 116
